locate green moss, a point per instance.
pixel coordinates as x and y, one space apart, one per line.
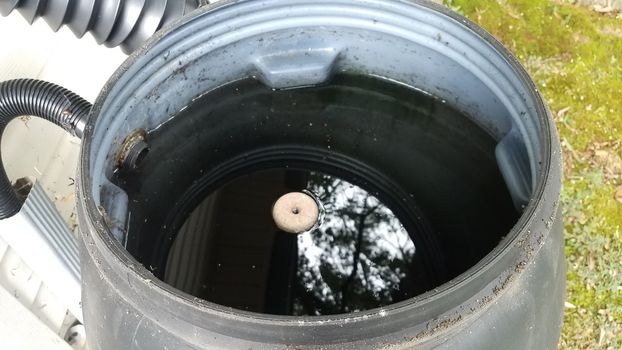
574 55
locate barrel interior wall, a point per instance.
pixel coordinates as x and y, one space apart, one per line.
319 53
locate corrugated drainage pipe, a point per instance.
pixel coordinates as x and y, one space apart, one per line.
125 23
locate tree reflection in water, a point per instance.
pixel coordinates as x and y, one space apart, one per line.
358 259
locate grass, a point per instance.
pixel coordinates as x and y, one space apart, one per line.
575 56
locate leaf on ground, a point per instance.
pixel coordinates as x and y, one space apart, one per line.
619 194
603 155
569 305
605 9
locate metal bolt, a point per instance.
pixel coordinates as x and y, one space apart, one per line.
133 151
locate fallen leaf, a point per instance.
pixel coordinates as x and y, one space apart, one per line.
604 155
569 305
619 194
604 9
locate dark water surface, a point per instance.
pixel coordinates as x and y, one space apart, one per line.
410 190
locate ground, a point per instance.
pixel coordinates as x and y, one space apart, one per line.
574 54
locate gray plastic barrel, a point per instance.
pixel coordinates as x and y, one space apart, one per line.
510 299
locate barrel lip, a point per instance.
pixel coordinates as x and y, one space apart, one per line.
520 246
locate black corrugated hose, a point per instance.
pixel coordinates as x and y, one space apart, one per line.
41 99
